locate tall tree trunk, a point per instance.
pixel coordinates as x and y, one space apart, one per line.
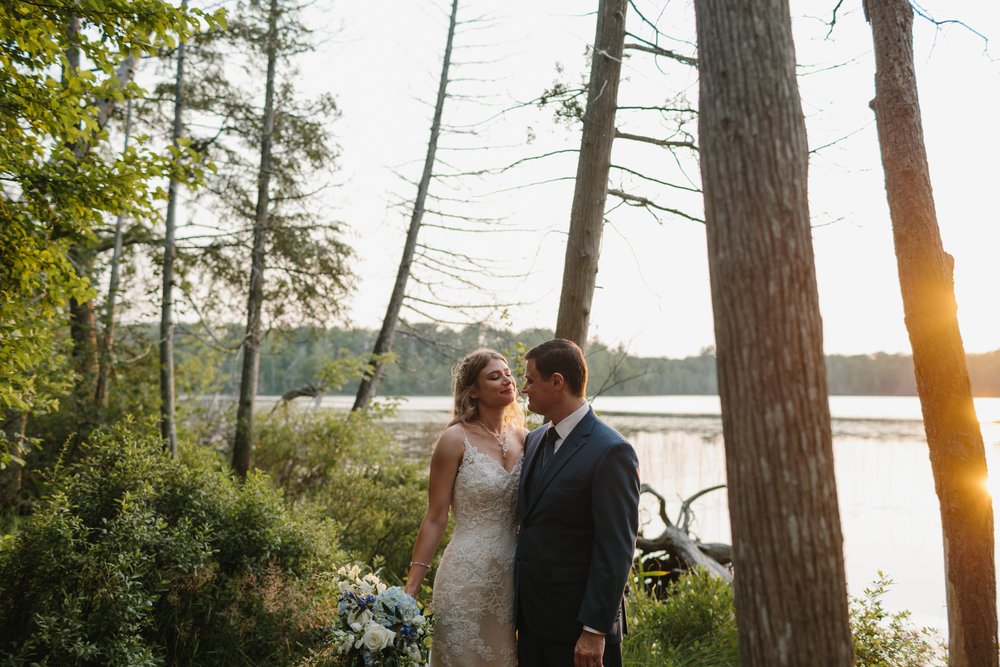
89 393
82 318
168 429
586 223
14 425
769 339
954 438
383 344
108 335
243 440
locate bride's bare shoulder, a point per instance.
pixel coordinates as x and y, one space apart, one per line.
452 441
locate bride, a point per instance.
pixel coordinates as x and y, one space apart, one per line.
474 471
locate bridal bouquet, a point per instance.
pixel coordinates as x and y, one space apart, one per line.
378 626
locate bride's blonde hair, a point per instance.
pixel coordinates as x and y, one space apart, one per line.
464 376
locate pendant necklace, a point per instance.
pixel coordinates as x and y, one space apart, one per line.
500 437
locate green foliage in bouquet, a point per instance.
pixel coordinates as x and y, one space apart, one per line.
137 559
377 625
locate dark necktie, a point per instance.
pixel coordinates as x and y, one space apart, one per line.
549 446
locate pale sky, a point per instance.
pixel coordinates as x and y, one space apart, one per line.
382 60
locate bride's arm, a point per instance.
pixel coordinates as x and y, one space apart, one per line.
445 460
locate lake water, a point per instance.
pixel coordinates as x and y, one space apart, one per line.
889 511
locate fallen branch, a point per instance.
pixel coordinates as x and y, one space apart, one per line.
713 557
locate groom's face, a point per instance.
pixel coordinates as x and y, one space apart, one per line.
540 392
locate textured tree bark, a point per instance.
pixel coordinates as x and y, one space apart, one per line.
168 428
383 343
586 222
954 438
243 439
791 593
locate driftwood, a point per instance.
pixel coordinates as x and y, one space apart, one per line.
676 541
310 390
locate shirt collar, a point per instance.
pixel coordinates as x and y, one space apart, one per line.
566 426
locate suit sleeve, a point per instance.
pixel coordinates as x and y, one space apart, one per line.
615 503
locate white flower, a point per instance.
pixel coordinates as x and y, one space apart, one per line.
376 637
345 644
358 618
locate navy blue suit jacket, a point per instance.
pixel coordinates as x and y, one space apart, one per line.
578 521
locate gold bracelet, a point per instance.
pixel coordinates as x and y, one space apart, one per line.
417 562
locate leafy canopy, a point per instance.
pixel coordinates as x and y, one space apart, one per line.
64 66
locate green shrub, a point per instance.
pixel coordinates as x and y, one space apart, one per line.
883 639
694 625
137 559
350 465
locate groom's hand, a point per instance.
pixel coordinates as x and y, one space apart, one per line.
589 651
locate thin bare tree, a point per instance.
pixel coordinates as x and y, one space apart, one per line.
586 223
108 334
383 343
168 429
243 440
791 592
954 438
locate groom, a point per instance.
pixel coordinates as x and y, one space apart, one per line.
578 508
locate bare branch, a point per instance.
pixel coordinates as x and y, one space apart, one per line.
813 151
663 109
666 143
660 51
655 180
635 200
474 306
538 157
921 12
833 18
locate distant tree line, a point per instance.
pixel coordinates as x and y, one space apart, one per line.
424 354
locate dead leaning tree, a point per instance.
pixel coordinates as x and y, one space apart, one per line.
434 282
954 438
383 343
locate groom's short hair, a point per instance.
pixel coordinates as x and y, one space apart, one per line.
562 356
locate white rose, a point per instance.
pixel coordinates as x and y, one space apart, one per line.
376 637
358 618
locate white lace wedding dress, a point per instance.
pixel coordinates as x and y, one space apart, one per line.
474 587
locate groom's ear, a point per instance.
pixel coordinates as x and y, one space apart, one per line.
557 380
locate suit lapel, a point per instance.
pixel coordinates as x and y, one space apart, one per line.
531 449
567 450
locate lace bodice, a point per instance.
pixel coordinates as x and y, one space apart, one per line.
473 590
485 495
